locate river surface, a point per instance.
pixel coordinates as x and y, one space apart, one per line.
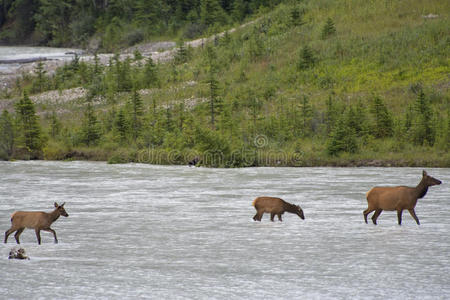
174 232
11 53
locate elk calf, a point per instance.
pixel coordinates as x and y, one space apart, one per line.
397 198
38 220
274 206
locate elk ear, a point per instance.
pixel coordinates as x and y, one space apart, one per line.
63 204
56 204
424 173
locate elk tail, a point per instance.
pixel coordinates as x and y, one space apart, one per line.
254 202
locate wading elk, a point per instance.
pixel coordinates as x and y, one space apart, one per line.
274 206
38 220
397 198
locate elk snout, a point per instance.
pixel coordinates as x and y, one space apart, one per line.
300 214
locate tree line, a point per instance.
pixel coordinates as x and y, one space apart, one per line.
117 23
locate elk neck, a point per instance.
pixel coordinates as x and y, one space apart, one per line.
54 215
421 188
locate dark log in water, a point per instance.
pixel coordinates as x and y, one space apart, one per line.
22 61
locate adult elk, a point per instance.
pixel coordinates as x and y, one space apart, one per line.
397 198
38 220
274 206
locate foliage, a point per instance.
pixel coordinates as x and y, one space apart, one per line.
29 129
278 91
328 29
6 135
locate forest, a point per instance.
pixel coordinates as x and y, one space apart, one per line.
304 83
117 23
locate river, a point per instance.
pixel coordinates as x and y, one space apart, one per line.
10 54
174 232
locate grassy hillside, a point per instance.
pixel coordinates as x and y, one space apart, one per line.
309 83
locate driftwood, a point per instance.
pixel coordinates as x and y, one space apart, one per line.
22 60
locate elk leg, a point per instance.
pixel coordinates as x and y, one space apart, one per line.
366 212
17 234
413 214
38 235
7 233
375 216
279 218
272 215
399 216
258 216
54 234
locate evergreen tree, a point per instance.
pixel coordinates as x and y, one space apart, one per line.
306 116
150 74
307 59
211 13
361 123
213 85
40 82
55 125
239 10
6 135
383 124
182 55
296 17
90 127
53 19
29 128
423 129
342 139
124 81
328 29
136 114
121 126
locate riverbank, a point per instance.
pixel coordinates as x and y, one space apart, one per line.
242 158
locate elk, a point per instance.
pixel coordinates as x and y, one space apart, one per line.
397 198
274 206
38 220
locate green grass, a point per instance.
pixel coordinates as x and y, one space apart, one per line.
381 49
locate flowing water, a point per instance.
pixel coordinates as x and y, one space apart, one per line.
12 53
174 232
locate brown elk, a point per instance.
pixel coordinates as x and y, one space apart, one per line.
274 206
397 198
38 220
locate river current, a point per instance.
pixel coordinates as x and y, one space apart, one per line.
175 232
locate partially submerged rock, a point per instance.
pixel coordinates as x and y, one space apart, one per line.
17 254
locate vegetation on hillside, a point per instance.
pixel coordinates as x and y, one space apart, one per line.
347 82
107 25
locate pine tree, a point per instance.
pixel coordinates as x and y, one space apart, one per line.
121 125
182 55
328 29
55 125
423 129
296 17
213 85
211 12
306 116
383 124
90 126
29 128
307 59
136 114
40 82
6 135
342 139
150 74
